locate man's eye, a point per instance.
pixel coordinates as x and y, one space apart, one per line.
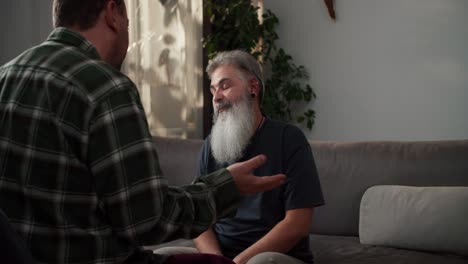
225 86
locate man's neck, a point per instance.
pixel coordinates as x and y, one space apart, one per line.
100 39
259 118
97 42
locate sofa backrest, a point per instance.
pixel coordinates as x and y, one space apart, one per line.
346 171
178 159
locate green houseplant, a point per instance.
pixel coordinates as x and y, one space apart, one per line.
234 24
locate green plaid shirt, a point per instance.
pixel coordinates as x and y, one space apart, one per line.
79 173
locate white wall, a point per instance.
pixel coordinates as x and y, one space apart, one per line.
25 23
385 70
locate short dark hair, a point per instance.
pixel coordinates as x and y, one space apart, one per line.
82 14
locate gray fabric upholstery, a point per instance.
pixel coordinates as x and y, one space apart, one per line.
420 218
348 250
178 159
346 170
173 243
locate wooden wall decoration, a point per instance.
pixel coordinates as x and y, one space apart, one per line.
331 8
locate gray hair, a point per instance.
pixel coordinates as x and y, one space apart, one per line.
242 61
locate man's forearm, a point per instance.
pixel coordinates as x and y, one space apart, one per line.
207 243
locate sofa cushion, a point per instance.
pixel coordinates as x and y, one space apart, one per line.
419 218
348 250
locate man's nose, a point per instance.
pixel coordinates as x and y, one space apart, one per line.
218 95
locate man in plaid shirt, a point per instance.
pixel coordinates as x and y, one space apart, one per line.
79 175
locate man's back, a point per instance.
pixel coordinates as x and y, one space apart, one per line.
49 96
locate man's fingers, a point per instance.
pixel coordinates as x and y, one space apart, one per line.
247 183
269 182
255 162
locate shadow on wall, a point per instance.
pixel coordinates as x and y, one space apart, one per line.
164 60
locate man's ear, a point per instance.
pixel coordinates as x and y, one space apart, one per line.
254 86
111 11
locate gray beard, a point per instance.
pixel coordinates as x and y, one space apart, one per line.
232 131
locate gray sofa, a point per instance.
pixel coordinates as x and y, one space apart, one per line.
346 171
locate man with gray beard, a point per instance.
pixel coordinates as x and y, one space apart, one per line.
273 225
268 227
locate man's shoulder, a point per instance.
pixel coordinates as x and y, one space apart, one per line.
93 76
66 65
100 79
288 130
283 136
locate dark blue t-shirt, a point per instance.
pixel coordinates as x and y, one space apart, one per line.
288 152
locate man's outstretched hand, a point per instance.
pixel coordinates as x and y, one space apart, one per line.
247 183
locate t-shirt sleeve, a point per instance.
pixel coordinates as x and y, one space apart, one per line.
203 156
302 188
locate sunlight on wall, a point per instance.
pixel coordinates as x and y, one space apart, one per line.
165 61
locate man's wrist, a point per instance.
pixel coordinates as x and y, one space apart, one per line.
225 192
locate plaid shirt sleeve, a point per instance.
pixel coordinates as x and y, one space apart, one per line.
138 202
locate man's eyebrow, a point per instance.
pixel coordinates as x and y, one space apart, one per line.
220 82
